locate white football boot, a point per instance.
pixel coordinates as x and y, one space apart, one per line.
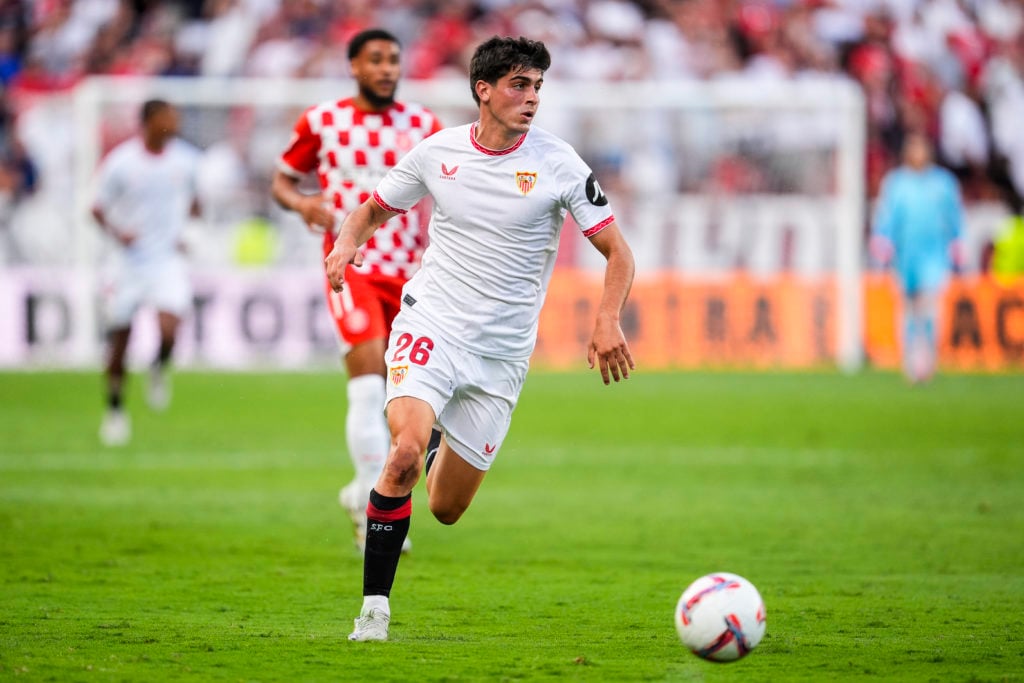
354 498
158 389
371 624
116 428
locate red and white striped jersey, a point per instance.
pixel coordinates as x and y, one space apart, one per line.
351 150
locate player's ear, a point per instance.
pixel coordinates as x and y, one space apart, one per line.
483 90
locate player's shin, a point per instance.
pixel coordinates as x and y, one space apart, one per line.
432 446
366 430
115 392
164 352
387 526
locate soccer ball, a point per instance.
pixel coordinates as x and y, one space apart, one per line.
720 617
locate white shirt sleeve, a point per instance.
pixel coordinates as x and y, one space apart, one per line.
193 160
585 199
403 185
108 183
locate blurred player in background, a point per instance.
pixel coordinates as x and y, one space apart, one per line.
918 223
351 143
461 344
146 191
1008 249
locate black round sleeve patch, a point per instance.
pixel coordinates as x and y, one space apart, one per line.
594 193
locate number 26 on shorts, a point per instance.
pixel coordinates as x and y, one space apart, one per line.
418 350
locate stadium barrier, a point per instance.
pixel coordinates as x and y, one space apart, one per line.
708 177
275 319
981 323
779 322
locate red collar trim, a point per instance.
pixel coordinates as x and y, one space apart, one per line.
494 152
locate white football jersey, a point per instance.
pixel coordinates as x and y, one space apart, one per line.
494 231
149 195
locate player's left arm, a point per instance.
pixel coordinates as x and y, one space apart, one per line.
608 347
955 209
195 206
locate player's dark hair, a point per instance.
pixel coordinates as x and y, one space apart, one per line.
363 37
499 56
151 108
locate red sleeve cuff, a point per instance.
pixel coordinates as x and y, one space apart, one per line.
590 232
384 205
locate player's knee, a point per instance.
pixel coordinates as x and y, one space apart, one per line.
447 517
404 465
116 364
402 474
446 512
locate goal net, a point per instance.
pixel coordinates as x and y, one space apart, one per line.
743 203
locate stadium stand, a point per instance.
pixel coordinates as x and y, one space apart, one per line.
952 68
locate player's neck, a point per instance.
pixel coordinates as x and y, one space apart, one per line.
155 145
491 135
371 105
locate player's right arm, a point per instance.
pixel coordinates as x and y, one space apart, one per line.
108 188
123 237
301 157
881 245
396 193
355 232
311 207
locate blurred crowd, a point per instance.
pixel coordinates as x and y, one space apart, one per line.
951 68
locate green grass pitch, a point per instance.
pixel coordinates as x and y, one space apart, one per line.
882 523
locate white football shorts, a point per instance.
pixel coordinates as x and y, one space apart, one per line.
165 287
473 397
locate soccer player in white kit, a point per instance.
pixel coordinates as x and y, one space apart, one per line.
146 190
461 343
351 143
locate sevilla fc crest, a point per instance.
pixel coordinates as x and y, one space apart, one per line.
398 373
525 181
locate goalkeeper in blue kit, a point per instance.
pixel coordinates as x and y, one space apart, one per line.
917 227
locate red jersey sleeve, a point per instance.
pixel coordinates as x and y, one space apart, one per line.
302 154
436 126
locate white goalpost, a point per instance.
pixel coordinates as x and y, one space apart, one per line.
709 179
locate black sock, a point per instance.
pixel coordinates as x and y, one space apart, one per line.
115 392
163 356
432 446
387 525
